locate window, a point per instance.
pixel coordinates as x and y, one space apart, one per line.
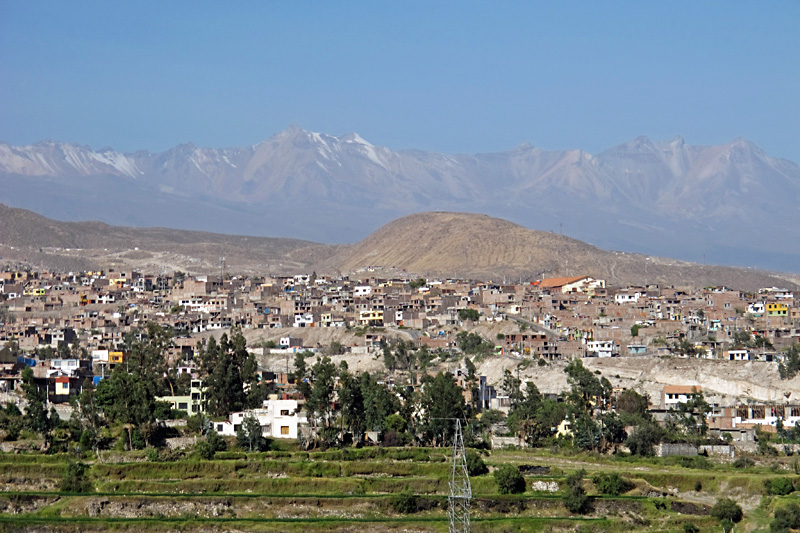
219 428
284 430
183 406
284 412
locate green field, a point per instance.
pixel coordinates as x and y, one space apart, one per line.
373 489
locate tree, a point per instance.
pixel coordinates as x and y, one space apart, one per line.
230 375
633 404
351 399
763 342
742 338
388 359
472 385
469 314
684 348
512 387
417 283
128 396
509 480
301 375
11 421
379 404
691 414
644 438
612 429
405 502
336 348
585 387
319 403
727 511
250 434
790 365
35 418
86 416
441 402
635 330
472 343
586 433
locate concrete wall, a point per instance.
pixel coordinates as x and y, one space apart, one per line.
667 450
505 442
723 451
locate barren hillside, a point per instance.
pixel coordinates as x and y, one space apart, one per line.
479 246
436 244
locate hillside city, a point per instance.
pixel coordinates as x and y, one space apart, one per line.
71 336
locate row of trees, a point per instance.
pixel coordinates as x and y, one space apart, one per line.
341 406
127 397
596 418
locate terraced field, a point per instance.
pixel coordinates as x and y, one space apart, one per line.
375 489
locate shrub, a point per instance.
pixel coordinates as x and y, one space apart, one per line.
779 486
576 500
689 527
743 462
405 502
509 480
696 461
210 446
727 509
786 519
75 478
611 484
475 464
764 448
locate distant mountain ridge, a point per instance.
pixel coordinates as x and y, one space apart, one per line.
731 203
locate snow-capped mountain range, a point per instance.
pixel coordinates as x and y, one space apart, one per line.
729 203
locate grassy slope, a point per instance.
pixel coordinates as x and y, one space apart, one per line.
332 491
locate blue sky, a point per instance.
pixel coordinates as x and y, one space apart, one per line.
458 77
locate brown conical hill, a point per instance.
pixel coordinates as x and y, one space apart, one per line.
463 244
468 245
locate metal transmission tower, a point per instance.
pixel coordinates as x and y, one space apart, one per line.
460 488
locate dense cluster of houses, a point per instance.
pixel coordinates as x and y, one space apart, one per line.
70 326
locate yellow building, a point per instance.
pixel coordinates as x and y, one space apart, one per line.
777 309
373 317
117 357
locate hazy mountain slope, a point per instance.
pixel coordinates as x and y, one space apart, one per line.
438 244
730 203
26 236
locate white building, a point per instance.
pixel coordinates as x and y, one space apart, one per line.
627 297
362 290
675 394
279 419
601 349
